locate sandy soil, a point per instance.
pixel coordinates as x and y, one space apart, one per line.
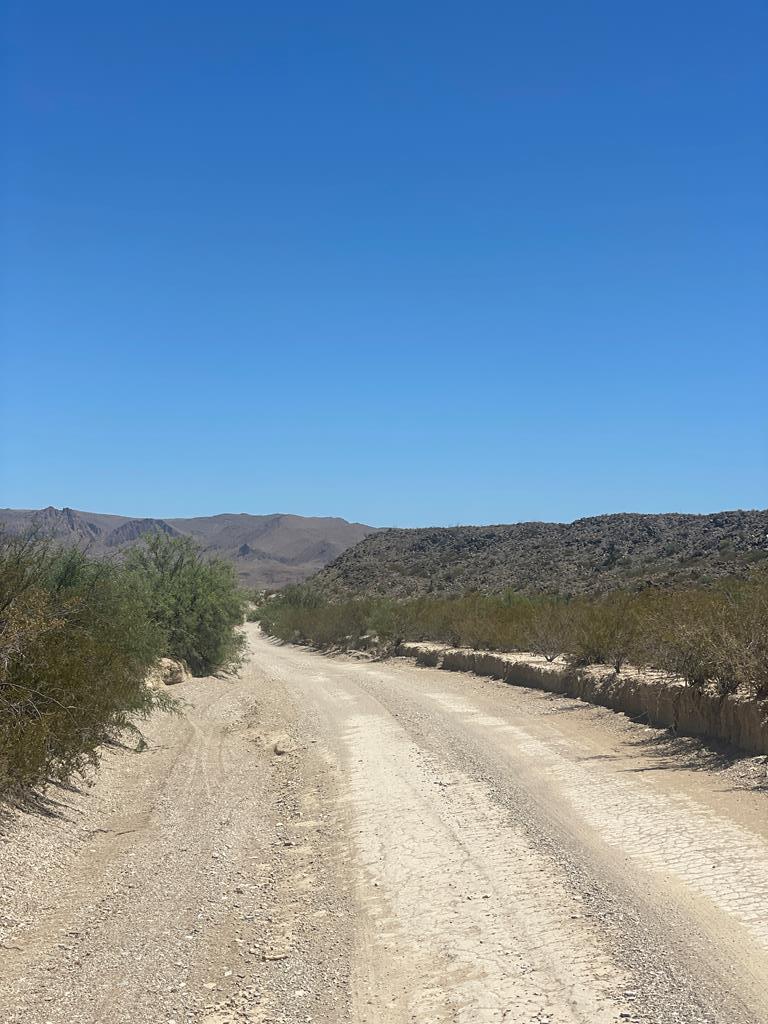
429 847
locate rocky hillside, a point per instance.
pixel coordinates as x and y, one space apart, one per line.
268 551
587 556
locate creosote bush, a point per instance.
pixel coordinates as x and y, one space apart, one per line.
78 636
716 635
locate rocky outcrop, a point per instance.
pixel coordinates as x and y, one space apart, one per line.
654 697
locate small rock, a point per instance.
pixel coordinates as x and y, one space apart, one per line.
167 672
275 953
282 745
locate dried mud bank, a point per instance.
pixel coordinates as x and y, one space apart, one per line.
654 697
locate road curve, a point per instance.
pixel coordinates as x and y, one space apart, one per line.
429 847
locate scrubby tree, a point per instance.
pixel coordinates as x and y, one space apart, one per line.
606 630
549 630
195 601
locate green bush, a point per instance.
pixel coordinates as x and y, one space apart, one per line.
78 637
195 602
76 643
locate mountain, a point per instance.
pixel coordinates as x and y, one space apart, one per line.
267 551
586 556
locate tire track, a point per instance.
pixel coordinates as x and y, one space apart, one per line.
487 931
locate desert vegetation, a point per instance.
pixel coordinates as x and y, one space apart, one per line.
194 601
78 636
714 635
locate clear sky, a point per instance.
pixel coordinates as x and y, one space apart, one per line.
407 263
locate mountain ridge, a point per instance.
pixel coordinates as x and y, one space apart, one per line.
267 551
589 555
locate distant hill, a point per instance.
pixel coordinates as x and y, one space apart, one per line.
586 556
267 551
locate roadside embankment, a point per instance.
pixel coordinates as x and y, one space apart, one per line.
658 698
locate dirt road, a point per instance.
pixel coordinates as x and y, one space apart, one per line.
424 847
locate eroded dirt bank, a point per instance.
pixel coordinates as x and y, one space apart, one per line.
433 847
653 696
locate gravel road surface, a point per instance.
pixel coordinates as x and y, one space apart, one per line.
330 839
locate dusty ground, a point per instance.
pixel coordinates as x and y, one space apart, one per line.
431 847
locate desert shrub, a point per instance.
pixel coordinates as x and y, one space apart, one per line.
390 621
287 615
195 602
716 635
78 636
604 631
678 636
549 628
719 635
300 614
76 643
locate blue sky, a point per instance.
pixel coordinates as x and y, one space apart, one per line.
411 264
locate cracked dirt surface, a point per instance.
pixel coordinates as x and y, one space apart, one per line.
430 847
